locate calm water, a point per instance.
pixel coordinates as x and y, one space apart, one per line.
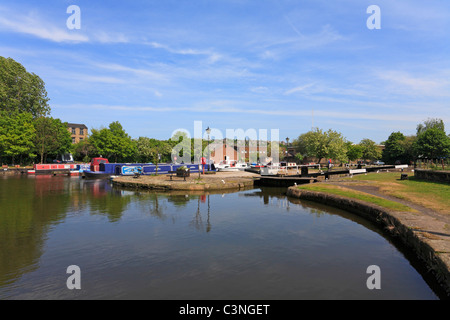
253 244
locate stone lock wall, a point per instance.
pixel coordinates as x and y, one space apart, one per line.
432 175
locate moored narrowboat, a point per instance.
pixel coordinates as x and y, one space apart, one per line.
102 169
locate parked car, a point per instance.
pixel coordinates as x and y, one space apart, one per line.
378 163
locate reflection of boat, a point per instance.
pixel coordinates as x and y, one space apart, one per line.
231 165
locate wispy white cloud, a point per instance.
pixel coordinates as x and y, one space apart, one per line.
418 16
325 114
243 107
127 108
96 79
260 89
106 37
177 51
299 89
411 85
148 74
268 54
34 25
293 27
211 55
282 43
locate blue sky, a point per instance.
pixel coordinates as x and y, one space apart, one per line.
157 66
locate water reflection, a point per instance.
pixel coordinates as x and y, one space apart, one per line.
33 206
29 209
197 221
141 244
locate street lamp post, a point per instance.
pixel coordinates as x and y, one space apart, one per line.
287 148
208 131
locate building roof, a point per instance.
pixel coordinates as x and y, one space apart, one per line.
76 125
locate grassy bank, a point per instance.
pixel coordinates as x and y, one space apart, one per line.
433 195
345 192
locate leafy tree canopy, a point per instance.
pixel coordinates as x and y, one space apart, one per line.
430 123
16 135
21 91
432 144
52 137
394 148
354 151
113 142
322 144
370 150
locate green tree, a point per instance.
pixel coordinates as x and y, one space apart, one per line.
271 150
182 147
354 151
52 138
394 148
430 123
113 142
370 150
21 91
143 149
322 144
152 150
83 150
431 141
337 146
409 151
312 144
16 135
432 144
298 158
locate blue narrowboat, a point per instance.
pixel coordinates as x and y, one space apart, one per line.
101 168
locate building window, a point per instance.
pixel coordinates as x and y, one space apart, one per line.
73 139
81 132
81 139
73 131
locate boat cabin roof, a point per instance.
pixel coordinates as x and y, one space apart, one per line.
99 160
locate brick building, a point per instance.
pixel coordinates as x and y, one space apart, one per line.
229 151
79 132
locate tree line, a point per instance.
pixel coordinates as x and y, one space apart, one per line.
430 143
116 145
332 145
28 134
